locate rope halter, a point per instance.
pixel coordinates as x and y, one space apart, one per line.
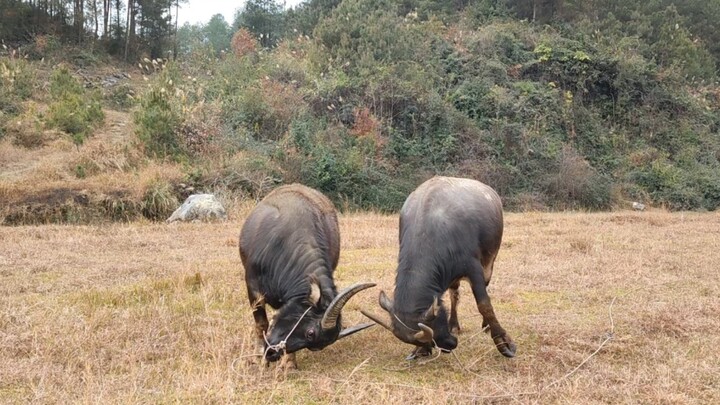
283 343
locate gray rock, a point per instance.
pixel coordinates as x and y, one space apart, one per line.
199 207
638 206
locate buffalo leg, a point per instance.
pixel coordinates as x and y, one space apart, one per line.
502 340
454 297
261 322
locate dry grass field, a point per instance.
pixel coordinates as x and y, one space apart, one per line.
605 308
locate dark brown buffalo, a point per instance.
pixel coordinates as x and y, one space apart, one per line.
450 230
289 246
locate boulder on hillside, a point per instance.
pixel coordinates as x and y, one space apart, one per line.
199 207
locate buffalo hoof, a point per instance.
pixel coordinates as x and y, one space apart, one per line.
455 330
505 345
420 351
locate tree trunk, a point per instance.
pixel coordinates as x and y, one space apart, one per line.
95 16
117 13
79 18
128 25
106 19
175 46
534 10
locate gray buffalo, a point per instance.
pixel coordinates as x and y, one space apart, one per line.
450 230
289 246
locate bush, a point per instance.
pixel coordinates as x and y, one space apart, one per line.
576 184
17 79
243 43
159 201
72 110
253 174
157 122
121 96
668 185
27 129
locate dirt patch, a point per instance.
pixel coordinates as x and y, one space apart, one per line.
67 205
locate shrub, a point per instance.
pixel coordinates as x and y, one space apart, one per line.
667 184
576 184
27 129
157 122
17 79
252 174
121 96
159 201
72 110
28 135
243 43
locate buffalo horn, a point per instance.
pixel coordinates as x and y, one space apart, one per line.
425 335
329 319
357 328
377 320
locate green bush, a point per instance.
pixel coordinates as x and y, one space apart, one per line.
72 110
17 79
668 184
157 124
254 175
159 201
554 115
121 96
160 116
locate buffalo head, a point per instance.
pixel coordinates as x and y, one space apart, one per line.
425 329
312 322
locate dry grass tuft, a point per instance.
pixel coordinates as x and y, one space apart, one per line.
614 307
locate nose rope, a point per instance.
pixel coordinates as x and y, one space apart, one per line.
282 344
403 324
440 349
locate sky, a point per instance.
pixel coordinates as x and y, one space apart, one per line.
200 11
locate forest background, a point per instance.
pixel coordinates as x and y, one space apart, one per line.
557 104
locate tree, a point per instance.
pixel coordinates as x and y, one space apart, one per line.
79 19
217 32
188 37
537 10
155 24
306 16
264 18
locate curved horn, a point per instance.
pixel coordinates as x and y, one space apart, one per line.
329 319
385 302
425 335
353 329
377 320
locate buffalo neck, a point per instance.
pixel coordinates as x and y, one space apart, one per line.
292 270
416 288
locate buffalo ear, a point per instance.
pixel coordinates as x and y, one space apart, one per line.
315 293
431 313
385 302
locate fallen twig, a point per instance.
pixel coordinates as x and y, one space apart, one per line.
608 338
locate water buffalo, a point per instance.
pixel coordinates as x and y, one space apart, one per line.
289 246
450 230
